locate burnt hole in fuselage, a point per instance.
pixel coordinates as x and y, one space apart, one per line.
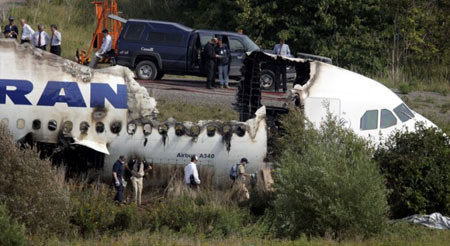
84 127
180 130
36 124
67 127
116 127
131 128
52 125
211 131
99 127
147 128
240 130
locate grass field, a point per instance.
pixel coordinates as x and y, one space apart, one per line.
400 235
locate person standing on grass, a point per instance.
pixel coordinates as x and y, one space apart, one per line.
27 32
223 61
138 170
55 41
118 168
11 30
40 38
191 173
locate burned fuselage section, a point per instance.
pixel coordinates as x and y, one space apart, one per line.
88 118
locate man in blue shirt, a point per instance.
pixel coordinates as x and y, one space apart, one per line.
281 49
11 30
118 178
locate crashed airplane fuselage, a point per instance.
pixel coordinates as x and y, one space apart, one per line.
53 99
366 106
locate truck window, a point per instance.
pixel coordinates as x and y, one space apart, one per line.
204 39
369 121
134 32
236 46
387 119
164 38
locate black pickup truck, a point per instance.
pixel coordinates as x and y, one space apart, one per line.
154 48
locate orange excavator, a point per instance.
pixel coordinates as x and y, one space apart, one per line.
107 18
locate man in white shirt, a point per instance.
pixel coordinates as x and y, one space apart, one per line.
27 32
40 38
55 40
191 173
281 49
107 43
105 49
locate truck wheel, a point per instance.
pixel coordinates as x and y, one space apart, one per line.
146 70
160 75
267 79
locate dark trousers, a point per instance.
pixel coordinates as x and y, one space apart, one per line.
280 69
56 50
119 193
24 41
43 47
210 73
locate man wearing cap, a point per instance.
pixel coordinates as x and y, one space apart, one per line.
11 30
191 173
27 32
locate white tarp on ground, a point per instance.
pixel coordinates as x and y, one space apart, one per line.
434 220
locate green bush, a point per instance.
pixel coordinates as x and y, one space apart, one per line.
417 167
11 232
326 182
94 211
33 191
193 216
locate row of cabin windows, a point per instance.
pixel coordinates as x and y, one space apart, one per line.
116 127
369 121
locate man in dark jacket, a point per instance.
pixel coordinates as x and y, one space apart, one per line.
118 178
11 30
210 57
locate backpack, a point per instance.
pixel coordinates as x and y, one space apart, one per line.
234 172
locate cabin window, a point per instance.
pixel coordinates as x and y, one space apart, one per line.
20 123
99 127
211 130
236 46
36 124
52 125
240 131
67 127
387 119
403 112
134 32
369 121
204 38
116 127
131 129
147 129
84 127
